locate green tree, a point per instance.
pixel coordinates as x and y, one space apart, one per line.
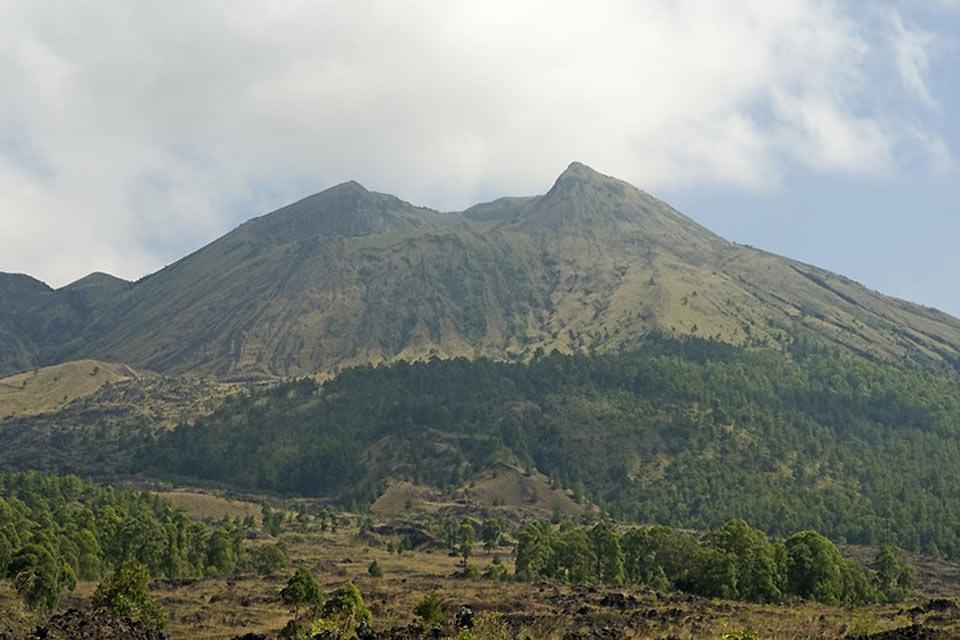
858 588
36 577
125 594
343 611
712 573
536 551
224 552
814 568
759 567
302 590
491 533
375 570
607 554
657 555
894 574
272 521
575 556
466 536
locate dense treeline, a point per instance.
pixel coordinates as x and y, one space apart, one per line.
684 433
57 530
734 562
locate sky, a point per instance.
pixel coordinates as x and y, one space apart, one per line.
132 133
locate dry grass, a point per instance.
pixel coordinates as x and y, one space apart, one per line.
509 487
502 488
206 506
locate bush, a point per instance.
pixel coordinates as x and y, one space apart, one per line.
864 623
268 559
430 611
375 570
894 578
496 572
294 630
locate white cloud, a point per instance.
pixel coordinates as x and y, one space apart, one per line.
912 48
130 130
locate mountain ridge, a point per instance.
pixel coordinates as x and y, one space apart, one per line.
351 276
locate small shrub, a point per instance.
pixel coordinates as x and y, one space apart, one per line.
864 623
375 570
430 611
294 631
496 572
488 627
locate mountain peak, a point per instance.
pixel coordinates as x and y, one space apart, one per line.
97 279
580 178
581 195
343 210
350 186
580 171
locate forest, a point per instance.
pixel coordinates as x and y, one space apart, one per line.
679 432
57 530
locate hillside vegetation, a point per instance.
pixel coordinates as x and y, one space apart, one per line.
349 276
96 432
688 433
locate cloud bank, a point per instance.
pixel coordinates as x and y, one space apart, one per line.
131 131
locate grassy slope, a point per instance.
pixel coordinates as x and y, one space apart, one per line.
91 434
52 388
503 488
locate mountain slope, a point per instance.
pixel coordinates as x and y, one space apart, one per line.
350 276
